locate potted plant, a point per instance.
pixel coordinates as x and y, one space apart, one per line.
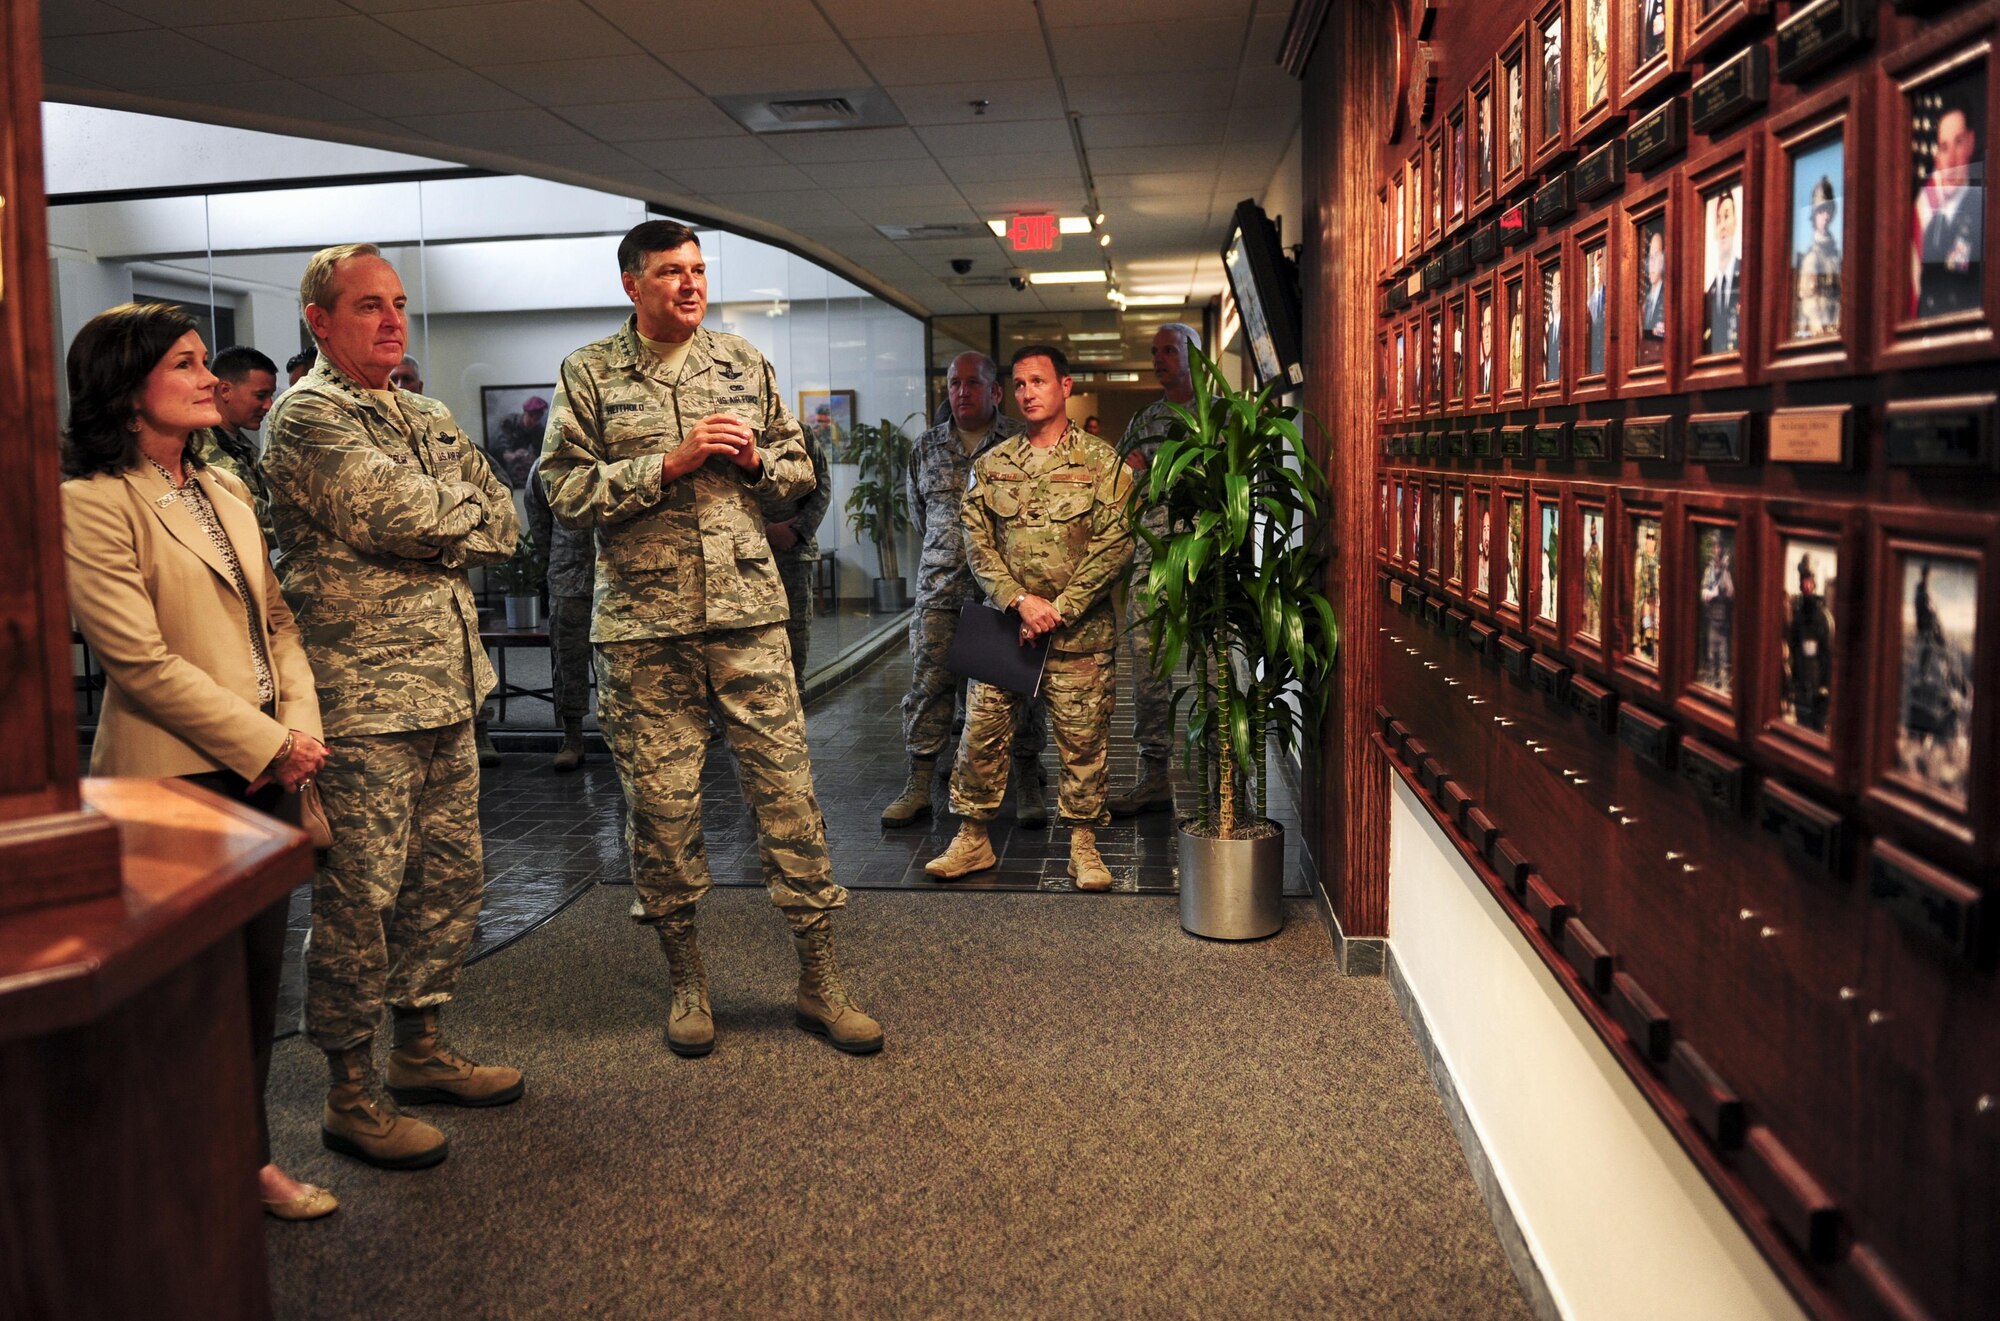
878 508
520 579
1235 589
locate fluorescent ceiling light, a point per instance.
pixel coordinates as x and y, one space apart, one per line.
999 228
1086 336
1068 277
1074 224
1155 300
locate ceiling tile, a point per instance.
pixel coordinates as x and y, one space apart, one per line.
986 137
1265 84
696 25
1262 123
592 158
806 67
1172 14
280 96
876 174
651 121
185 14
594 81
1135 94
498 130
742 178
1060 193
913 206
738 150
855 144
143 60
430 92
1143 160
1266 42
863 19
1006 98
1000 169
517 32
327 46
75 18
922 59
1145 185
1149 48
1164 130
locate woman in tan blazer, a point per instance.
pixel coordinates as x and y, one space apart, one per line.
171 585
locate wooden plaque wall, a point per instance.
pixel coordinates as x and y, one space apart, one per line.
1688 531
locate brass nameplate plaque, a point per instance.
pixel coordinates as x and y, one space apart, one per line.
1732 91
1516 225
1483 441
1434 273
1600 172
1658 136
1456 444
1650 738
1940 433
1821 33
1810 435
1815 835
1486 242
1513 442
1552 440
1458 258
1938 906
1717 779
1590 440
1647 438
1717 438
1553 201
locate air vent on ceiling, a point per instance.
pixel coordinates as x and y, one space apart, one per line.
813 112
970 229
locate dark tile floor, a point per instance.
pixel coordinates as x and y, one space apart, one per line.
549 837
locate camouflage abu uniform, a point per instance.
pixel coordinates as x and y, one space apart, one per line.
1051 522
236 454
689 609
572 565
796 564
1152 696
940 472
379 511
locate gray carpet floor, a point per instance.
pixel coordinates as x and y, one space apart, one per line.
1081 1111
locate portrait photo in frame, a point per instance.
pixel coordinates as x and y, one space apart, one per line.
1481 169
1817 305
515 419
1399 231
1437 537
1594 259
1511 305
1383 482
1595 86
1641 629
1932 612
1649 294
1434 360
1510 551
1419 556
1649 47
1483 345
1434 185
1938 115
1454 353
1719 289
1457 189
1588 574
829 414
1479 544
1544 577
1548 326
1413 174
1808 690
1399 369
1718 552
1398 496
1454 539
1549 116
1705 23
1512 148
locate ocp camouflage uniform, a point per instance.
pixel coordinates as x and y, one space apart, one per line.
1051 522
689 609
796 563
380 509
1152 696
940 472
236 454
572 564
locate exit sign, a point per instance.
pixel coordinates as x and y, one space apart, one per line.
1036 233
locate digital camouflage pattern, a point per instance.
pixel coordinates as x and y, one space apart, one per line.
673 558
570 554
927 707
569 655
940 473
1152 696
652 702
1079 688
571 560
1053 522
236 454
797 574
797 563
378 512
396 899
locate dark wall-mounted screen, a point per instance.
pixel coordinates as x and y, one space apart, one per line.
1266 287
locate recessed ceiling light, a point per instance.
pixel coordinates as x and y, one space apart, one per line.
1103 240
1155 300
1067 277
1074 224
1087 336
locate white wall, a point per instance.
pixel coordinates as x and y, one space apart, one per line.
1621 1222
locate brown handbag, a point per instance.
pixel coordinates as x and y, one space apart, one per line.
312 817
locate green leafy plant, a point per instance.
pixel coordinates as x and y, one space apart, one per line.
521 573
878 508
1235 585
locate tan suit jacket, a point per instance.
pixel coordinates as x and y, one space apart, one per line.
152 596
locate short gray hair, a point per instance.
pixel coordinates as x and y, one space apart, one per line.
1190 337
317 287
989 370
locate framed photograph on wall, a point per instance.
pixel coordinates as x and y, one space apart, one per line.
1457 188
1594 259
1549 116
1454 352
1434 187
1399 370
1932 612
1483 346
1479 544
1454 538
1437 540
1419 350
1383 390
516 420
829 415
1586 570
1510 92
1434 360
1594 70
1641 629
1510 551
1649 47
1808 689
1719 286
1420 550
1382 525
1399 230
1548 326
1718 562
1544 575
1816 322
1511 305
1480 121
1937 118
1706 22
1649 296
1413 174
1398 496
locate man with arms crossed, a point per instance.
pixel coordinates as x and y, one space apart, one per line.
667 438
1047 536
381 504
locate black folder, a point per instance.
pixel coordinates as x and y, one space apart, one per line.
988 647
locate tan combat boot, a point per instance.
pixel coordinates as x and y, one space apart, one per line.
1153 792
690 1025
970 851
570 755
424 1070
1084 862
825 1008
915 804
1031 795
370 1128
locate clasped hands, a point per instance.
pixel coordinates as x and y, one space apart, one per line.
1037 617
308 754
716 436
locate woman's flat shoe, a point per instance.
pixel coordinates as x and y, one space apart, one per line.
311 1204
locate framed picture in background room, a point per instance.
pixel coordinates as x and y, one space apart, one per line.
515 418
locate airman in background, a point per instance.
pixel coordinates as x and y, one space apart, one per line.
792 527
572 569
245 384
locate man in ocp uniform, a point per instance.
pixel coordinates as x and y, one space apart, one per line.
792 528
381 505
668 439
245 384
1048 538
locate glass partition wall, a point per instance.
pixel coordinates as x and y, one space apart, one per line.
505 276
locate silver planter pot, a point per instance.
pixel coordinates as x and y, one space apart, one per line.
1232 889
890 596
524 612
